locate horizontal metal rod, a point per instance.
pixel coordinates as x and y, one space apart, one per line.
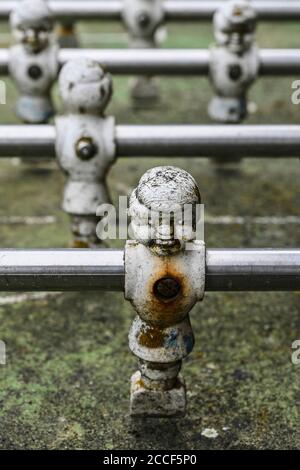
74 10
192 10
185 10
274 141
208 141
145 61
27 140
61 270
278 62
253 270
88 270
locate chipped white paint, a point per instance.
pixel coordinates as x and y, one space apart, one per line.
163 190
234 60
143 20
33 62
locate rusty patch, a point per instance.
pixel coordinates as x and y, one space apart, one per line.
168 312
140 383
79 244
152 337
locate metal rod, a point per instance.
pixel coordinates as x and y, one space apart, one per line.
253 270
192 10
185 10
88 270
280 62
64 9
4 60
208 141
27 141
274 141
145 61
61 270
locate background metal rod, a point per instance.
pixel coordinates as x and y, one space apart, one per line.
61 270
145 61
253 270
185 10
208 141
280 62
88 270
74 10
192 10
274 141
27 141
4 59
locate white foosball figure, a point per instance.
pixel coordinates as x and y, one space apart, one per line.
234 62
143 20
33 63
163 281
85 145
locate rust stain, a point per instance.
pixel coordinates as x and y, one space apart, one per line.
79 244
167 312
152 337
237 11
139 383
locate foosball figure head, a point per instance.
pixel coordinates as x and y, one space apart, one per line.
32 24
